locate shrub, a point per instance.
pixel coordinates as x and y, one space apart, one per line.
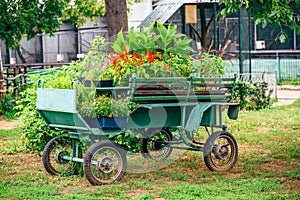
252 96
7 102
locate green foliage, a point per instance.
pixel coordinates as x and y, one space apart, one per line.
290 82
208 65
7 103
79 11
107 106
129 141
23 17
20 18
252 96
156 37
35 132
277 12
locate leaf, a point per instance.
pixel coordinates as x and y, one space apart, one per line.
119 45
282 38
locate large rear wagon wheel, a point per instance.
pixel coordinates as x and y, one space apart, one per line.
156 145
220 151
104 163
53 154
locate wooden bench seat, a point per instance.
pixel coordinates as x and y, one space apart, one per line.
170 90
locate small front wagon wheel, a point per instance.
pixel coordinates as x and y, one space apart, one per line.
104 163
53 154
220 151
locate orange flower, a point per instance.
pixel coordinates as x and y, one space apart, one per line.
166 66
110 115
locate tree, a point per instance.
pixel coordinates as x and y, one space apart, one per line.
28 17
280 13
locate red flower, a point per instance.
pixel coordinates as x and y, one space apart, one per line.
150 56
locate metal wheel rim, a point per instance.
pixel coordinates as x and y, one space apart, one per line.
219 161
106 176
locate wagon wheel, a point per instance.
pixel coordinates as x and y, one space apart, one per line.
220 151
104 163
156 145
53 154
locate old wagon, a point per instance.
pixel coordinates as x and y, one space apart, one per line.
166 106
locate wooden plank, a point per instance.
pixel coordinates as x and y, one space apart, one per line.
180 98
222 85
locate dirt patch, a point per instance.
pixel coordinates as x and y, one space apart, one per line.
7 125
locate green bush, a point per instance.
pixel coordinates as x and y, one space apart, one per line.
7 102
252 96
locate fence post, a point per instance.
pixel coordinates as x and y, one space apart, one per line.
278 68
1 72
15 81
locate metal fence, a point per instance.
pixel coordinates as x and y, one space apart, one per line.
15 76
285 68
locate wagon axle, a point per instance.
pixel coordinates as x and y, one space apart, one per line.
59 157
221 152
105 165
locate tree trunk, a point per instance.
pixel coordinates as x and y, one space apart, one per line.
116 14
20 54
204 34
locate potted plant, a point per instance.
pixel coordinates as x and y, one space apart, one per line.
106 112
113 113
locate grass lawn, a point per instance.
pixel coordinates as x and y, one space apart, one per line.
268 167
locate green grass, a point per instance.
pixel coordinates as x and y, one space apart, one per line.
267 168
290 82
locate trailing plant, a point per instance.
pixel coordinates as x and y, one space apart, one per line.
35 132
252 96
